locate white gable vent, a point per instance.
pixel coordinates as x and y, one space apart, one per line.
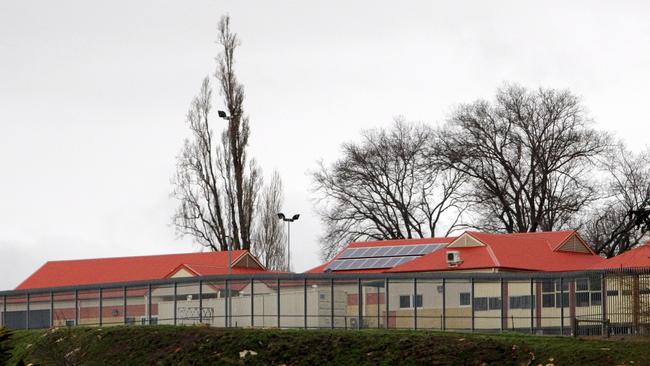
453 258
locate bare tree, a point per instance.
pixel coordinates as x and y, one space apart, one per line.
268 236
215 183
613 228
528 157
386 188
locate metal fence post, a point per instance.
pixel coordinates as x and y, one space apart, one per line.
444 305
332 303
149 304
603 304
387 303
226 303
415 303
124 309
51 309
359 304
562 305
378 309
503 304
4 310
532 306
305 300
76 307
200 301
175 294
101 307
252 284
27 312
278 299
472 304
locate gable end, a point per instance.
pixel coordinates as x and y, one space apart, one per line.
465 241
574 244
247 261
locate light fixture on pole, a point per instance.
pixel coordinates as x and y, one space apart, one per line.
288 221
223 115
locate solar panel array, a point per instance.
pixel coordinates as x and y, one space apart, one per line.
390 251
380 257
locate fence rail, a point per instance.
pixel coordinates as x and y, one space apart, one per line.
569 303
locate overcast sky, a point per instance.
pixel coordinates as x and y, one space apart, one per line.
93 97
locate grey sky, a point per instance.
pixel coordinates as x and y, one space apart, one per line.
93 97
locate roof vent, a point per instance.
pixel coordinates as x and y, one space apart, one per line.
453 258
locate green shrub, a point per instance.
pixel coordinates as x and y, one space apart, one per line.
5 351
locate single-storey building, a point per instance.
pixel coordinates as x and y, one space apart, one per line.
119 307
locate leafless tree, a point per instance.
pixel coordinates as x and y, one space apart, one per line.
215 183
528 157
613 228
386 188
268 236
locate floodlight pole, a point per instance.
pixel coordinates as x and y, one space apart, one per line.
227 320
282 217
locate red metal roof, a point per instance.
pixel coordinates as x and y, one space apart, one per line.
537 251
123 269
634 258
518 251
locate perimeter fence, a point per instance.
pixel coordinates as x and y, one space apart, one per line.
572 303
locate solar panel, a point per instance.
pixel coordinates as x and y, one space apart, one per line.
367 263
380 257
390 251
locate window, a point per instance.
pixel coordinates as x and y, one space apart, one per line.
487 303
548 286
588 292
480 304
495 303
582 285
555 294
562 300
611 293
521 302
130 321
404 301
69 323
418 301
465 299
548 300
582 299
596 298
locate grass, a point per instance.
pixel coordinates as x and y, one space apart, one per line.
168 345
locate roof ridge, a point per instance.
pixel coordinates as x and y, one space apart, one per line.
142 256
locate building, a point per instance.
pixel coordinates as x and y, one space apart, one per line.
466 304
120 306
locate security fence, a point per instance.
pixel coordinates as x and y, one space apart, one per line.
572 303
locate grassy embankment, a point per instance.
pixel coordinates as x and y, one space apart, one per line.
168 345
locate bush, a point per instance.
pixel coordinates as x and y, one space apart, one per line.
5 351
